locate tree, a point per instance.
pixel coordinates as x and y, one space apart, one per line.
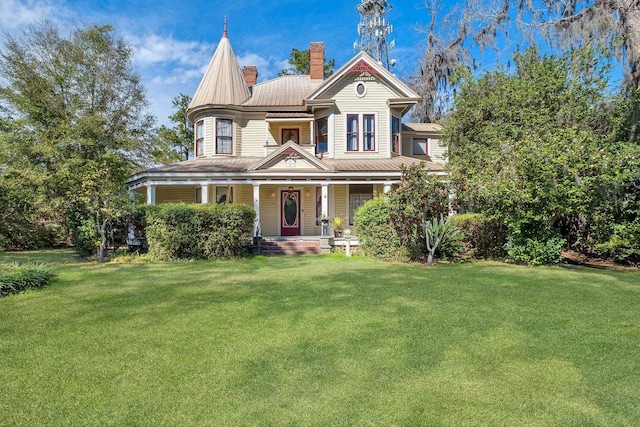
300 64
611 27
175 143
75 115
539 149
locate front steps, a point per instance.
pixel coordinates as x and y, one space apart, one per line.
289 247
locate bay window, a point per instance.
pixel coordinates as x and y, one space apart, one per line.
224 136
199 134
352 132
322 135
361 128
395 135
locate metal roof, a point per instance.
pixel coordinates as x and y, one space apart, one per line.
289 91
223 82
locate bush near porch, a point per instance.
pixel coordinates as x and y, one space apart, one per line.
198 231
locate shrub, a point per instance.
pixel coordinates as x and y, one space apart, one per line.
624 243
535 246
483 237
198 231
16 277
375 232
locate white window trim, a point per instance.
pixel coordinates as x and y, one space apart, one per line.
355 89
399 151
427 148
376 131
234 144
201 153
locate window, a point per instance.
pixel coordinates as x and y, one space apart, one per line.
224 195
358 195
361 89
395 135
352 132
200 138
419 146
322 135
224 136
291 135
198 194
369 132
361 128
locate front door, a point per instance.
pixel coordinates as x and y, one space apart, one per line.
290 212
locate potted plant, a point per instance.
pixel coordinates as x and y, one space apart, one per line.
337 226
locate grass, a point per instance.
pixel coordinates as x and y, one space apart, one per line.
320 341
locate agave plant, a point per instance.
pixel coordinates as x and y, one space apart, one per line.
437 231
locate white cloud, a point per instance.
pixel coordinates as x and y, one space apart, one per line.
16 12
153 49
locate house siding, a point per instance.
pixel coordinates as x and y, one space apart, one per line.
176 194
374 102
253 134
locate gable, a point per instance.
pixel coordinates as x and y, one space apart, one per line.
290 156
365 68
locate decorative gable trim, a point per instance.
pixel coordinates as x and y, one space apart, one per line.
288 152
363 63
363 67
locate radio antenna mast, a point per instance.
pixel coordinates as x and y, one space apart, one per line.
373 30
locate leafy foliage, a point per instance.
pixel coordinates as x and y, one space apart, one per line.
537 149
200 231
373 228
175 143
438 231
300 61
482 237
75 123
19 277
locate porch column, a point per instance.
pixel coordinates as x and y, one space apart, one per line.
324 208
256 198
387 187
204 193
151 194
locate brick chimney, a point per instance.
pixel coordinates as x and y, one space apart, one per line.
250 73
316 61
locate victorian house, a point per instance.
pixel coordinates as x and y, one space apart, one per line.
296 148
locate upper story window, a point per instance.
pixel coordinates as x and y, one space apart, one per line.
322 135
353 130
369 132
420 146
199 135
224 136
361 128
395 135
291 135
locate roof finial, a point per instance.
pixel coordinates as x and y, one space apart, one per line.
224 32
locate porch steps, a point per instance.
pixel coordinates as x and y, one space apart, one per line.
290 247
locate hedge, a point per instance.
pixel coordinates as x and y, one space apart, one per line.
198 231
483 237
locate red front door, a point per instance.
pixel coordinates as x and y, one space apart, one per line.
290 213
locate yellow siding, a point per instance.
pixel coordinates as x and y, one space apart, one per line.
209 137
244 195
175 194
339 200
375 101
269 205
253 135
437 151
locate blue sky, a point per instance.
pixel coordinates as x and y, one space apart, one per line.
174 40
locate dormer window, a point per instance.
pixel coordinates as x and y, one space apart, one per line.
199 138
224 136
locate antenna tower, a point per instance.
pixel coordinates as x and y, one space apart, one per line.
373 30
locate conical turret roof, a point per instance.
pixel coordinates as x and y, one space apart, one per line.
223 82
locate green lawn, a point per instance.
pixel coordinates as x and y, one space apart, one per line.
320 341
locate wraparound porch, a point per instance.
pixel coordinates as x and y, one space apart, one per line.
284 207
